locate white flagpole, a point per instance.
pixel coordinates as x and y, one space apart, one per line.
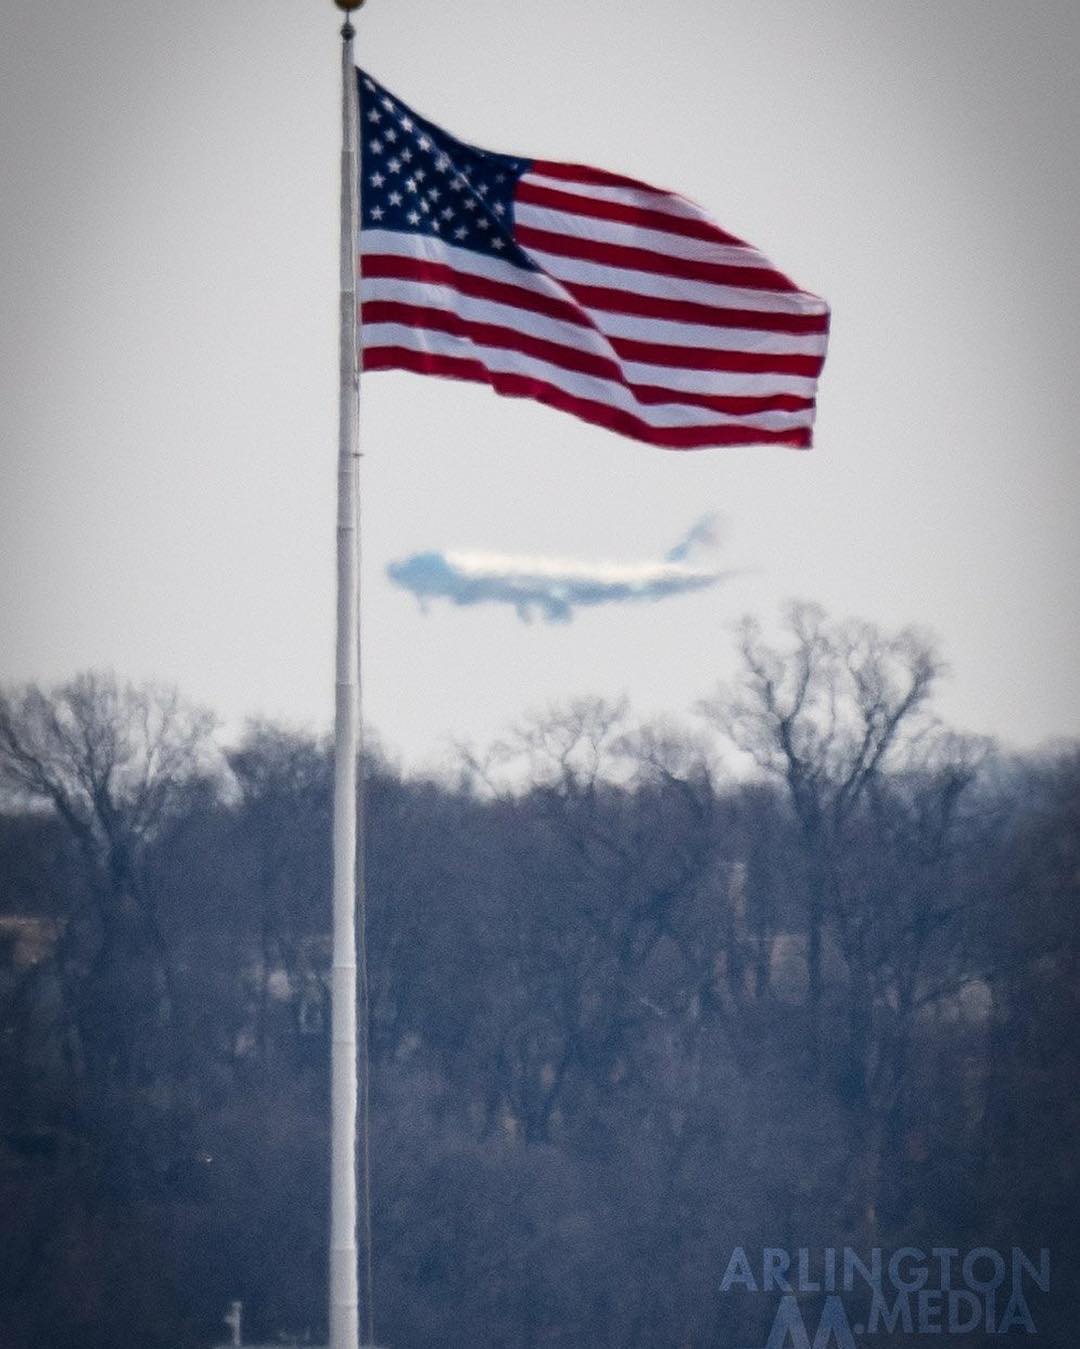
348 898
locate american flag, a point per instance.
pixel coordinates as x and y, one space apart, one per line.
618 302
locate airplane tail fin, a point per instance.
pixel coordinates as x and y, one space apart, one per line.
704 533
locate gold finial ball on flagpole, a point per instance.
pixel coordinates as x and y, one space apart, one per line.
347 6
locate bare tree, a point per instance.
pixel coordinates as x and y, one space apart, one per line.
826 716
282 824
115 762
566 750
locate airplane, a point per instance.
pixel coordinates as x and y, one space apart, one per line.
554 586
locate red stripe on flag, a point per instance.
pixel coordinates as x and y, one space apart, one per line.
615 301
597 208
708 358
646 260
600 414
730 404
583 173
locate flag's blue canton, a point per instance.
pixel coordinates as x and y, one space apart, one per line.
418 179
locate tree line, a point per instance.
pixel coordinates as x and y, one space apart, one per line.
799 969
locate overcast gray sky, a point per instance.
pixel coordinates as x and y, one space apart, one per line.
168 350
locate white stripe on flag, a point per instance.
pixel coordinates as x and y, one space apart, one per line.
643 197
654 284
636 236
698 335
